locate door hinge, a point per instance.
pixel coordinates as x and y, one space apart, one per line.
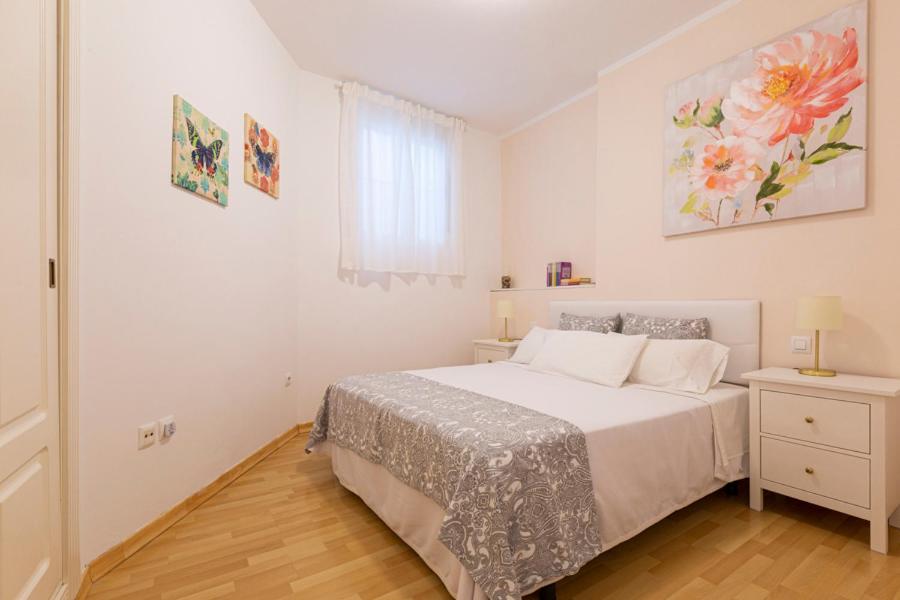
52 272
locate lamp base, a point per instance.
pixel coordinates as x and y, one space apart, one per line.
817 372
505 339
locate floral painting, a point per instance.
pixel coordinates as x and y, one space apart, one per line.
199 153
774 133
262 160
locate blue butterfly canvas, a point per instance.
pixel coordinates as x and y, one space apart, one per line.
262 160
199 153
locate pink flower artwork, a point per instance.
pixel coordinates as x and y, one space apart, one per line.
797 81
726 167
776 132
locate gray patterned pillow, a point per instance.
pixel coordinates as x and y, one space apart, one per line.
569 322
662 328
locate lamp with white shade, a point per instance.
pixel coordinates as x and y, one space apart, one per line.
822 313
504 310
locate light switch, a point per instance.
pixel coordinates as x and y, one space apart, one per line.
800 344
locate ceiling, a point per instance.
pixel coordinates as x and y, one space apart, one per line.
495 63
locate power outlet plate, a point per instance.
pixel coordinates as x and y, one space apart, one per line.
147 434
801 344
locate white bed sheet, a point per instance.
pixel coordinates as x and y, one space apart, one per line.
651 451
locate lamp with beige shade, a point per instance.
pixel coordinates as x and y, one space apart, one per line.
504 310
822 313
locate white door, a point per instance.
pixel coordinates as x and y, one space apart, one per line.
30 548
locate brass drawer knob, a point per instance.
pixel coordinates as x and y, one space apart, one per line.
809 419
809 470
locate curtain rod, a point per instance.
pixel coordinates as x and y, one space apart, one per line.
340 85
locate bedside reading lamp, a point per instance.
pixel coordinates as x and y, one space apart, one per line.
819 313
504 310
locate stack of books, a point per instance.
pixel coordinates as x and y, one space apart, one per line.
560 274
557 272
576 281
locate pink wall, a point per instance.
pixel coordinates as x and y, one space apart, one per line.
849 254
548 194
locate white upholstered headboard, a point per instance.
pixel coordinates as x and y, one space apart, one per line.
734 323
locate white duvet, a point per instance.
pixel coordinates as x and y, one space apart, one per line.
652 451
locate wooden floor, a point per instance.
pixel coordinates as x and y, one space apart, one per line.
287 529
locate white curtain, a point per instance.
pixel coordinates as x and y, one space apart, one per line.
400 185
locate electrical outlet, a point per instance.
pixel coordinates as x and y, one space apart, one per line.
800 344
146 435
166 428
288 379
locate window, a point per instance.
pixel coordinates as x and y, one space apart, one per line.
400 191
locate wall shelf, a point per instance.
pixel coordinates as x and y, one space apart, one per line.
537 289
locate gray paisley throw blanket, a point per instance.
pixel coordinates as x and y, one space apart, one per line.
515 484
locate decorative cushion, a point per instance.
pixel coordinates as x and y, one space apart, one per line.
569 322
664 328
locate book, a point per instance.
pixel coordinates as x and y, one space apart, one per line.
557 272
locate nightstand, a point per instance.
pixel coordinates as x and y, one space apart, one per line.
493 350
831 441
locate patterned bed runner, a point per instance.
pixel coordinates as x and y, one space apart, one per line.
515 484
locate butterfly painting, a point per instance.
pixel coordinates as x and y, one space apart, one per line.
262 160
199 153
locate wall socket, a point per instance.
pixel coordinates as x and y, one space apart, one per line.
147 435
149 432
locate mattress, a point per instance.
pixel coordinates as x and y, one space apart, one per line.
651 452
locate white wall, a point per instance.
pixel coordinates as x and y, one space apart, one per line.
191 309
378 323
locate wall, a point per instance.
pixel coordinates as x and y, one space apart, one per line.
849 254
191 309
377 323
548 176
186 308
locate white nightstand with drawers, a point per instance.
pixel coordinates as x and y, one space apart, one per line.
493 350
831 441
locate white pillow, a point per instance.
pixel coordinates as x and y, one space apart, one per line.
686 365
531 345
605 358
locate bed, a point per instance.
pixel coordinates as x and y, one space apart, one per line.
505 480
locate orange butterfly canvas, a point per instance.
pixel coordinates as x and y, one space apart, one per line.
262 157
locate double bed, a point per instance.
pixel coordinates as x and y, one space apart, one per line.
505 479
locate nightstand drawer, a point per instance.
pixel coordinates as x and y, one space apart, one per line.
486 355
823 472
812 419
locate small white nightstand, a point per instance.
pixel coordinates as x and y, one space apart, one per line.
492 350
831 441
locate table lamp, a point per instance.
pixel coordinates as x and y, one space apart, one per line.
505 311
822 313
